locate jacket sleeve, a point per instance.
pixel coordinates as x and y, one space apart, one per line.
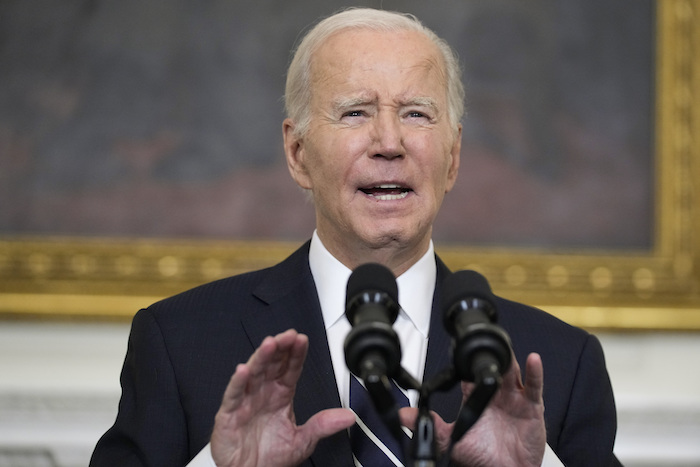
588 433
150 429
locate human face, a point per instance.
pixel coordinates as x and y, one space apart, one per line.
380 152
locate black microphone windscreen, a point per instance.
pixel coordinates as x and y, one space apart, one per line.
463 285
372 276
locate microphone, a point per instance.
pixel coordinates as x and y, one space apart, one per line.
482 349
372 347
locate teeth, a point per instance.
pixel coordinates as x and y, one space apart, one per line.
392 192
391 197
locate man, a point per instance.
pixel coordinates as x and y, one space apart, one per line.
374 102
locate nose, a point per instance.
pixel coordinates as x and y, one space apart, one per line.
388 136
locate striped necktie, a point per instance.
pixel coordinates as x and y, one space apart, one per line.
373 445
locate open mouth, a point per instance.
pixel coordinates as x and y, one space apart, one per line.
386 192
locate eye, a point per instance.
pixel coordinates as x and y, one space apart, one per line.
353 113
418 117
416 114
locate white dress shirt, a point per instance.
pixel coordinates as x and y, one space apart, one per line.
416 288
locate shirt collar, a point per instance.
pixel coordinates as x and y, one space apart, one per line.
416 286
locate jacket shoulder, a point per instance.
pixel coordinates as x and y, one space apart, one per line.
235 292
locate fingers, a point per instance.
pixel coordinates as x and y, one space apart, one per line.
534 377
295 363
270 359
511 378
235 389
279 359
531 389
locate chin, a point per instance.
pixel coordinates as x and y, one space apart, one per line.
384 237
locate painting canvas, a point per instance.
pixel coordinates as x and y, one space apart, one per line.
163 119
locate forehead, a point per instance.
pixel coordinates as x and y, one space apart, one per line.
352 57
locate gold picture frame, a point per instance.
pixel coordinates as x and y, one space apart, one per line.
659 289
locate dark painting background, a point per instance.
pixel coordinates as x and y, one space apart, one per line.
157 118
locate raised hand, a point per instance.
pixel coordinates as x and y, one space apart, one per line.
255 425
510 432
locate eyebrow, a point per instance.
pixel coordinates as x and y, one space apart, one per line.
343 103
421 102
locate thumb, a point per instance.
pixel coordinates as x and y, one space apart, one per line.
326 423
408 416
443 430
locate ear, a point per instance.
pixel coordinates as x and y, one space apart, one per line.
455 152
294 152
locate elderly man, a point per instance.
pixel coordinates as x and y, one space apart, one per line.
374 102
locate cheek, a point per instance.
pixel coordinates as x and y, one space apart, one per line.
327 172
440 172
340 156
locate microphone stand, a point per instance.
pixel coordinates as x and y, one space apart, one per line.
424 447
423 450
423 444
475 405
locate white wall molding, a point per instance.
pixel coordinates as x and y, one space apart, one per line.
59 389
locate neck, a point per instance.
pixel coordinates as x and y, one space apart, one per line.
394 255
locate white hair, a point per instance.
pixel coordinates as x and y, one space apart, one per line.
298 88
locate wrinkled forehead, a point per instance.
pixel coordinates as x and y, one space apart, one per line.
409 52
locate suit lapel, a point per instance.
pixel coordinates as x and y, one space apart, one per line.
292 303
439 355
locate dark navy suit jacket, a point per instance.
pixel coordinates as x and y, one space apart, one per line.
183 350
